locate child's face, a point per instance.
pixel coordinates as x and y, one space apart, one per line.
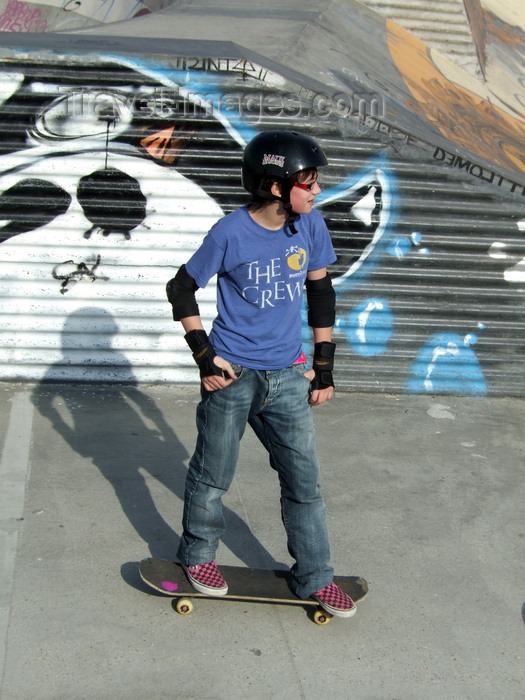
303 193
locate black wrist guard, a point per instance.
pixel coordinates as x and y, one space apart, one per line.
323 365
203 353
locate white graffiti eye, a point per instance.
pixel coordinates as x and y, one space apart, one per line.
365 209
82 113
356 214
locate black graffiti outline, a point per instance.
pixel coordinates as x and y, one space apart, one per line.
80 273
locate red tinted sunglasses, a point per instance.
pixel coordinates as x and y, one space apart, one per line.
305 185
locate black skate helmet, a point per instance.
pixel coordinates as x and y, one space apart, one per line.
278 156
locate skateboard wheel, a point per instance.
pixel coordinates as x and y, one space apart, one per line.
321 617
184 606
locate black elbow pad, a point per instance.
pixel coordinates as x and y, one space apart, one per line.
181 295
320 300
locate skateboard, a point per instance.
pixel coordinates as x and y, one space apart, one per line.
257 585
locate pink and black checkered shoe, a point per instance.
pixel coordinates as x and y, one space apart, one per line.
207 579
335 601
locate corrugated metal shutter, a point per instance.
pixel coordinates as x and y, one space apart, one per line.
434 302
429 288
438 311
93 235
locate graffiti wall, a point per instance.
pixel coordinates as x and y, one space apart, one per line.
112 170
65 15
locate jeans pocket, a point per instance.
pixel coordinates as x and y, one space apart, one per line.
300 368
238 369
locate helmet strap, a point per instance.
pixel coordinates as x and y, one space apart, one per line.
292 217
286 188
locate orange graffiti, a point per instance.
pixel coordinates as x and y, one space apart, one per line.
499 31
464 118
165 145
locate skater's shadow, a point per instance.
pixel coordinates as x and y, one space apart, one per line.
124 433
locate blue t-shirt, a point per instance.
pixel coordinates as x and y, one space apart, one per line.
260 283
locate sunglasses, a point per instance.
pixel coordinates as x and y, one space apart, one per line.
305 185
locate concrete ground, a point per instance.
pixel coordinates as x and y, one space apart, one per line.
425 498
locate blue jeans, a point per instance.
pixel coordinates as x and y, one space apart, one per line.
275 404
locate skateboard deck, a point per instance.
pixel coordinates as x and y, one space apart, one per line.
257 585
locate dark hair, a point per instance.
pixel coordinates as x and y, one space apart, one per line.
305 174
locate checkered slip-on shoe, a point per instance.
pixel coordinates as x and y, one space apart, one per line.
335 601
207 579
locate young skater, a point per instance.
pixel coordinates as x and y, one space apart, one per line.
265 255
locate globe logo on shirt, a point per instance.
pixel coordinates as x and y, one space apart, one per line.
296 258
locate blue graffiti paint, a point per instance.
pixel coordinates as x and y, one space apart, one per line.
357 179
399 247
369 327
447 364
209 91
202 89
